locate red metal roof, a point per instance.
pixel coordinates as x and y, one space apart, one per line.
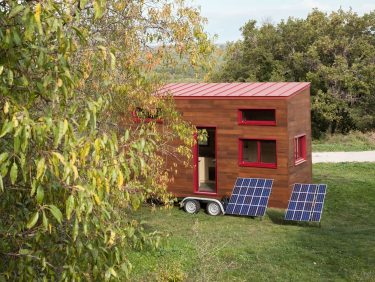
237 89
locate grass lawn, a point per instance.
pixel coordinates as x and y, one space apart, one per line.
354 141
227 248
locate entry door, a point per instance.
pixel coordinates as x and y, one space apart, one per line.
205 167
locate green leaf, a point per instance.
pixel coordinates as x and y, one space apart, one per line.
3 157
4 168
10 77
15 11
24 251
40 167
33 188
69 206
110 272
98 9
56 212
16 144
75 229
82 4
13 173
33 220
7 127
60 132
45 220
39 195
113 61
1 69
1 184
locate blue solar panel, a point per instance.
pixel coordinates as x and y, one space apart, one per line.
250 196
306 202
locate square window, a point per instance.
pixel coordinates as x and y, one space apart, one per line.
257 153
257 116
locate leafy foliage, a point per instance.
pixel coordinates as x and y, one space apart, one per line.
73 163
335 52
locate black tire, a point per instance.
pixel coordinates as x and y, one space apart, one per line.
213 208
192 206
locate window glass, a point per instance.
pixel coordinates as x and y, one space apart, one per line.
268 151
250 151
258 153
258 115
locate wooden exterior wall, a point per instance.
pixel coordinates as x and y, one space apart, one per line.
299 123
292 118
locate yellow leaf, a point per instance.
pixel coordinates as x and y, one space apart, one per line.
60 157
107 185
40 167
6 108
120 179
97 199
15 121
59 82
13 173
79 187
65 128
75 171
38 11
73 158
84 152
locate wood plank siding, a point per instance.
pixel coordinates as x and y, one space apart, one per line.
223 114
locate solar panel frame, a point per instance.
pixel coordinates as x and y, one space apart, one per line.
306 202
250 196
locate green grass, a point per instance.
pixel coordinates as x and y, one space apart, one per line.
228 248
354 141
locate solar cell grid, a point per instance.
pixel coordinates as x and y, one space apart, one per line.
306 202
250 196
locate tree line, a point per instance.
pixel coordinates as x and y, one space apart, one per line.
335 52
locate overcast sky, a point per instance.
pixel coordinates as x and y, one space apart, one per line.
225 17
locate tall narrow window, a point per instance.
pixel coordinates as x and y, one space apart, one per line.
299 149
257 153
257 117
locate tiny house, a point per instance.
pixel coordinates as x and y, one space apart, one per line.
260 129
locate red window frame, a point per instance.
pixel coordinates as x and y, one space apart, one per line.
258 163
299 149
137 119
241 120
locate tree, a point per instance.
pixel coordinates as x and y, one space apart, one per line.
335 52
70 175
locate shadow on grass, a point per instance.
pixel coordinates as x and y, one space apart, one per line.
277 217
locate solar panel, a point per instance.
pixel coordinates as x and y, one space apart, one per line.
250 196
306 202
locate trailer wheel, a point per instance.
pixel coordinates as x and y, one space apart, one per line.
192 206
213 208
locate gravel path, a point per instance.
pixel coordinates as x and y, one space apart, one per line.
339 157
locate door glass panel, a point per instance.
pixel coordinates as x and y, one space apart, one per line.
207 162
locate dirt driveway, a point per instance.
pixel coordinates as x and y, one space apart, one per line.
339 157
